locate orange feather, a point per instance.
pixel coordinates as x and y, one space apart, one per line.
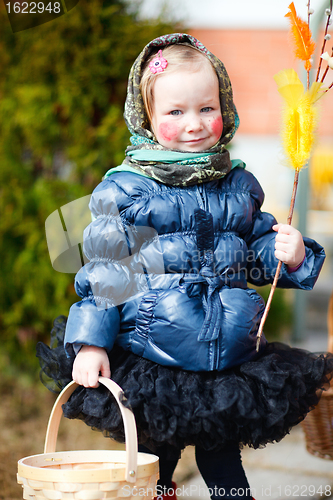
304 46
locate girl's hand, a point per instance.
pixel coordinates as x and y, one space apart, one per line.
89 363
289 245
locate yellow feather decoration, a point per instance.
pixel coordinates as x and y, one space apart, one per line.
300 116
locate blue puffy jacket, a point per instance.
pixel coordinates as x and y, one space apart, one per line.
168 270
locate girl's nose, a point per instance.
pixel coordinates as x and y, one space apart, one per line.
194 124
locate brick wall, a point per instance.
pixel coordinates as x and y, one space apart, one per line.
252 58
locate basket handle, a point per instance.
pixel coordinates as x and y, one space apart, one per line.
131 439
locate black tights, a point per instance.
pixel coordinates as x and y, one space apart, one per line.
222 471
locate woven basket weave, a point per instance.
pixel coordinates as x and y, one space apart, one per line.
91 474
318 425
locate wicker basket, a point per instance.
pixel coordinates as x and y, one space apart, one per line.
89 475
318 425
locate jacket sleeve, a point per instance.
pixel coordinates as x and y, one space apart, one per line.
87 323
95 319
261 261
119 257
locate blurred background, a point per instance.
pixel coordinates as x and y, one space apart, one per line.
62 90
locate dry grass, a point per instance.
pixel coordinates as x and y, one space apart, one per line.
24 412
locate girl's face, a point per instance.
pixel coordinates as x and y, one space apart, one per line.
186 112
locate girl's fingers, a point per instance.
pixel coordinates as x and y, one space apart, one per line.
92 380
282 238
284 229
105 371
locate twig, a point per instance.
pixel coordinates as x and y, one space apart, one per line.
324 74
278 269
326 90
323 47
326 70
308 71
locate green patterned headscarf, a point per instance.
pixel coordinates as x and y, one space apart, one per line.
169 166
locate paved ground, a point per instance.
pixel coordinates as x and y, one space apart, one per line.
286 470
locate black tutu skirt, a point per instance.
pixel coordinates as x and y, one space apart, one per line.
252 404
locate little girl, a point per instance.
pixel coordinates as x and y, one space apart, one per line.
177 234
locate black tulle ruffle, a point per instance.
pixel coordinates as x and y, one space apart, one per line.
254 404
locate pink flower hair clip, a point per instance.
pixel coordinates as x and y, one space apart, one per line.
158 64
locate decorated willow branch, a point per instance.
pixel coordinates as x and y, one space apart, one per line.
300 116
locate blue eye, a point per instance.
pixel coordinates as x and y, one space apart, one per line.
175 112
206 110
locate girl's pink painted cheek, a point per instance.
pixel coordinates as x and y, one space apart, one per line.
168 131
217 126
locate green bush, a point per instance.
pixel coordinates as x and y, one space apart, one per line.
279 320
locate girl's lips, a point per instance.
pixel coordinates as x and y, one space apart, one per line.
194 145
195 141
